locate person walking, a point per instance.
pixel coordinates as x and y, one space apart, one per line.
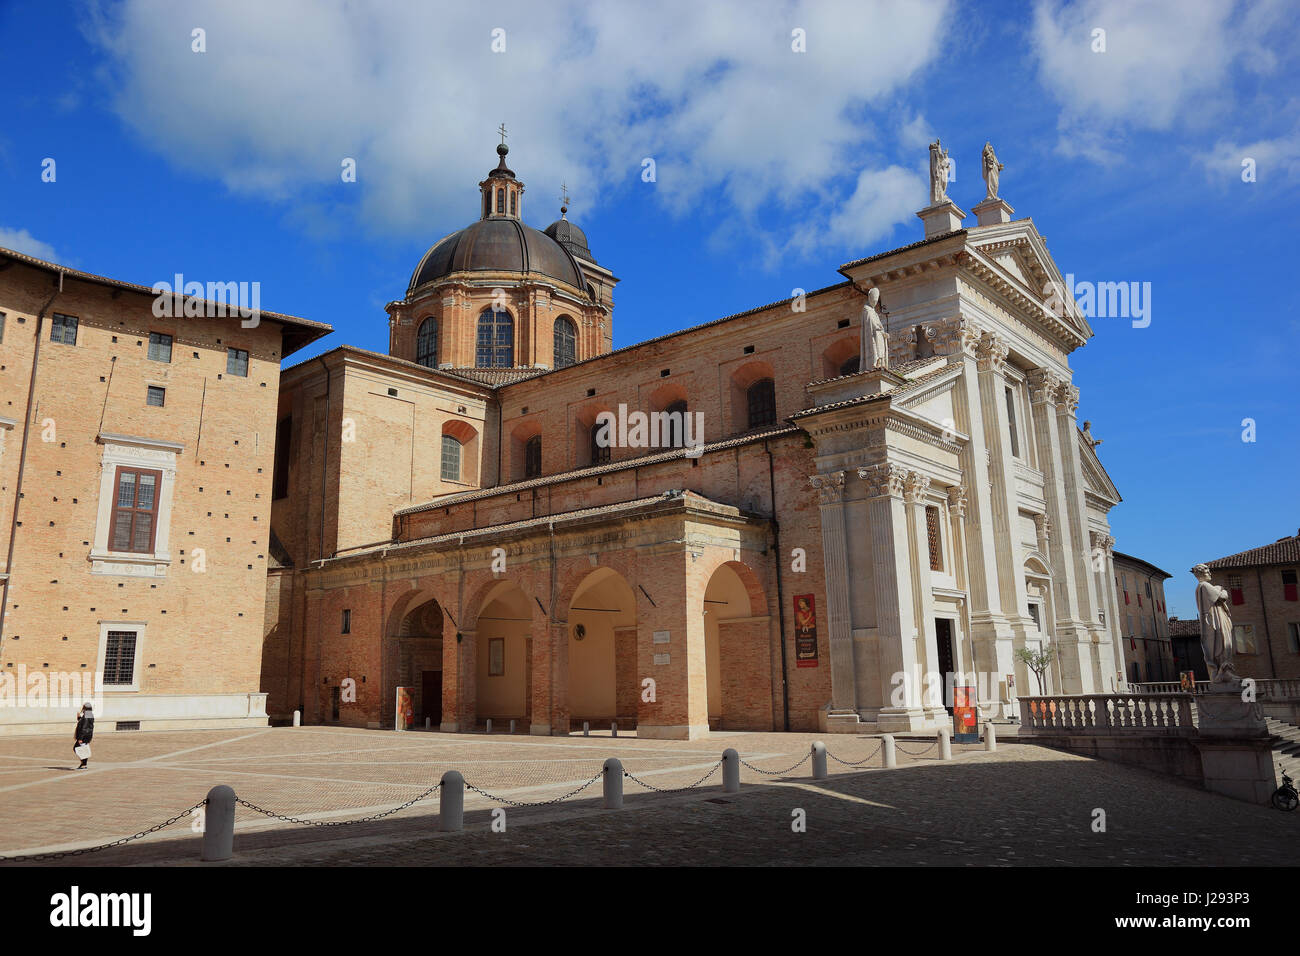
85 730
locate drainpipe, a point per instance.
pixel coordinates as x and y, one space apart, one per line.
780 593
22 457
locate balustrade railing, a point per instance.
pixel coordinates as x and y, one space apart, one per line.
1265 688
1106 714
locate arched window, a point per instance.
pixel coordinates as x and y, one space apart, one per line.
426 343
599 452
850 366
533 457
566 342
501 200
496 340
674 434
513 206
761 397
450 458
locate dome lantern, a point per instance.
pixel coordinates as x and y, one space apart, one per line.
503 195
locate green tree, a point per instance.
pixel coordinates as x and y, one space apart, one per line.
1037 661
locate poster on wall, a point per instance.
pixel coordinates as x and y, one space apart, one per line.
964 728
405 709
805 630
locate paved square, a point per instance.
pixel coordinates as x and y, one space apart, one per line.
1023 804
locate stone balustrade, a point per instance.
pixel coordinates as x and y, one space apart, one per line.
1108 714
1265 688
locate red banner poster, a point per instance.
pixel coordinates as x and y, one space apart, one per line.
964 726
805 630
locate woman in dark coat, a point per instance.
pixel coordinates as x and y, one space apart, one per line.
85 730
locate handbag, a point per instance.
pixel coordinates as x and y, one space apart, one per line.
82 751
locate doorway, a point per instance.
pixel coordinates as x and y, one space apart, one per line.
943 642
431 697
335 694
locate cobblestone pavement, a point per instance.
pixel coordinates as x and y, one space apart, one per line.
1021 805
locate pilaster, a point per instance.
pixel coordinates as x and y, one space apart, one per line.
830 493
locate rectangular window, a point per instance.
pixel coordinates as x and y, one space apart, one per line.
1234 588
1011 423
1243 638
155 396
1148 589
1035 614
347 620
932 534
160 347
1293 637
237 362
119 659
280 480
1288 585
63 329
496 657
501 200
135 511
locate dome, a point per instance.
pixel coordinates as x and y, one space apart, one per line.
500 245
571 237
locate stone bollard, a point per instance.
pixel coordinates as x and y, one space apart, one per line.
613 729
888 759
586 729
945 744
819 760
512 726
489 725
297 718
613 784
990 736
219 825
451 802
730 771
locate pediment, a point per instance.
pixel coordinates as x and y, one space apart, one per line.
1095 478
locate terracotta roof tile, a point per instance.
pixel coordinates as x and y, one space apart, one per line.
1281 551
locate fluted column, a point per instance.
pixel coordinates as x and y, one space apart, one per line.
1086 600
896 622
830 492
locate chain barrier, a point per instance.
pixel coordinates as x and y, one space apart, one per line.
917 753
776 773
42 857
539 803
335 823
649 786
854 763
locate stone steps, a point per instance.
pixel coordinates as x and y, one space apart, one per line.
1286 747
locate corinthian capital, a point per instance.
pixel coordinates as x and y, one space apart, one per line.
1044 384
884 479
957 501
991 353
830 488
918 486
1068 396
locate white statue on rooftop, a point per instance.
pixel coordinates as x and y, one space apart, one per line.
991 169
874 351
939 166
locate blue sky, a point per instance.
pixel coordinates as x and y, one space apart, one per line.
772 168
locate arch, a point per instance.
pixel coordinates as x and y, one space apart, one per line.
743 379
586 451
495 342
412 648
564 342
426 343
603 683
458 455
521 436
503 653
737 649
837 356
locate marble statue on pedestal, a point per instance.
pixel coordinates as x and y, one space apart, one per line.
991 169
939 166
1216 628
874 352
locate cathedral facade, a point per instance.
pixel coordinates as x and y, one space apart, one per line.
741 525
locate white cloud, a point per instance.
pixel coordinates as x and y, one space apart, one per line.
20 240
1278 157
713 92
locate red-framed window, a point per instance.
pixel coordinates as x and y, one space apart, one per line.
1289 585
135 510
1234 588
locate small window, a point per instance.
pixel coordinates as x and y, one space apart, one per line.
673 434
599 450
513 199
63 329
1293 637
1289 585
426 343
237 362
160 347
761 397
1148 588
135 511
347 621
1034 613
450 458
533 457
119 658
280 477
496 657
935 539
155 396
501 200
1243 638
1011 423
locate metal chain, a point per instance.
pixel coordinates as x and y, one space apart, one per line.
336 823
650 786
854 763
539 803
918 753
40 857
776 773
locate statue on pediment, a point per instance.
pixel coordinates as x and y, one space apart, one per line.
1087 435
991 169
874 351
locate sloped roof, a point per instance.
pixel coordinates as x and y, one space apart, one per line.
1281 551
